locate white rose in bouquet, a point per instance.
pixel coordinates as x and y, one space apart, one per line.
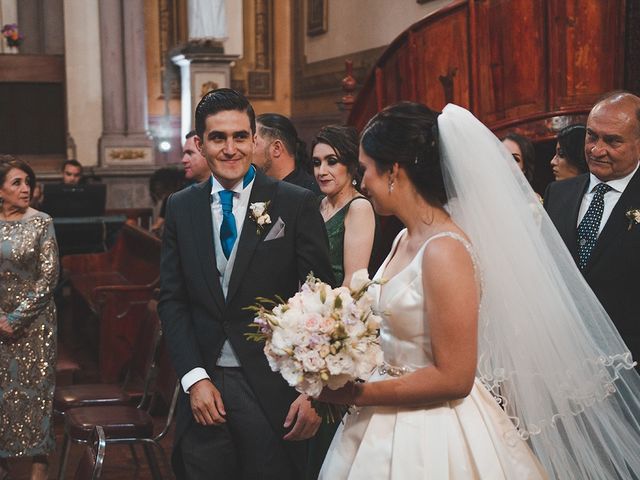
321 337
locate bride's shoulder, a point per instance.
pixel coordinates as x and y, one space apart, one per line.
449 239
447 249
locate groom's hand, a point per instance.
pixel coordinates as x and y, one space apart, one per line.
304 418
206 403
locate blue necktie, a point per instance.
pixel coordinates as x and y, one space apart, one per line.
590 224
228 231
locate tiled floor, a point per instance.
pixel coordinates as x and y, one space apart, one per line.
118 465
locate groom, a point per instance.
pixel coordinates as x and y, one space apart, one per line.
236 418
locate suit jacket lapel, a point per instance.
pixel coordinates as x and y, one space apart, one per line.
617 224
263 190
570 228
202 226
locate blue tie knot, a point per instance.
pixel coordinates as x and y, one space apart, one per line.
226 200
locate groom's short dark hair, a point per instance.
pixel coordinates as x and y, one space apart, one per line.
220 100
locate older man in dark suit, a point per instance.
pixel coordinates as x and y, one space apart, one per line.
238 236
595 213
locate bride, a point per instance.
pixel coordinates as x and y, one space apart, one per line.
499 361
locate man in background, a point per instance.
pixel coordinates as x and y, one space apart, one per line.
71 172
196 170
598 213
280 153
195 165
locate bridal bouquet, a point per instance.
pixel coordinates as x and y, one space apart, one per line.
321 336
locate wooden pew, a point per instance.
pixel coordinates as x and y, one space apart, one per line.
112 287
135 216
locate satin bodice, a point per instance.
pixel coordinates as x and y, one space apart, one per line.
404 334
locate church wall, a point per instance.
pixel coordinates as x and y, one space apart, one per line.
359 25
357 30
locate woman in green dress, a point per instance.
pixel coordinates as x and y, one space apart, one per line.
351 227
28 275
348 215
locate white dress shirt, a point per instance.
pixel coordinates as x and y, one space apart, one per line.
228 357
610 199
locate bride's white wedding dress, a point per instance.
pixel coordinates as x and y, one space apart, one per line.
465 439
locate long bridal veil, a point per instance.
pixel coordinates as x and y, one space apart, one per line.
547 348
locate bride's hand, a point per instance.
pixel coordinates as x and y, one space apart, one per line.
347 395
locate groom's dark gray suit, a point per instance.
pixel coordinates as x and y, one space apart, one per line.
195 316
613 269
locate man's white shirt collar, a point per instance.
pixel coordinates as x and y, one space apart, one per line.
216 187
619 184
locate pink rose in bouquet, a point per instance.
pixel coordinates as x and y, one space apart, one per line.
322 336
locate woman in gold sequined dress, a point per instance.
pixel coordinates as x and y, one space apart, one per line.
28 275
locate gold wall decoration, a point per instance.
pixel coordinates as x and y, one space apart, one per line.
317 15
260 78
127 154
206 87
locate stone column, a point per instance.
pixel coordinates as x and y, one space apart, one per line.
125 139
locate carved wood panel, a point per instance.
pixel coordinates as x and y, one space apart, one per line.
442 62
587 41
511 62
530 65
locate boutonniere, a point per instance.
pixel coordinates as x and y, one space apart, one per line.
259 213
634 217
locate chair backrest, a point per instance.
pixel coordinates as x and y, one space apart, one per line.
144 348
167 385
90 466
137 255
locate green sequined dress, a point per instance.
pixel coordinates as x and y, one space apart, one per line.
28 275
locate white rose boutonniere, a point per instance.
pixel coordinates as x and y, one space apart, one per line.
633 215
259 213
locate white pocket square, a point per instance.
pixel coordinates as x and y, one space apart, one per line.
277 231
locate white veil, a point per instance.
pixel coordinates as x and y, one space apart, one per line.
547 348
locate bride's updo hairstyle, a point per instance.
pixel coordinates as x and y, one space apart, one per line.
407 133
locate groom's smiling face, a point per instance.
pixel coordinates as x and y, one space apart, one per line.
228 145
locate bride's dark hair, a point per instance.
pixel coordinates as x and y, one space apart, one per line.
407 133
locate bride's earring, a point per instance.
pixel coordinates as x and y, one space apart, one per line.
391 181
354 182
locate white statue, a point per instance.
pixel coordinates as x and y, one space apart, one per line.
207 19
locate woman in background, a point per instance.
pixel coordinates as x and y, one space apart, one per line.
569 159
351 228
523 153
348 215
28 275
